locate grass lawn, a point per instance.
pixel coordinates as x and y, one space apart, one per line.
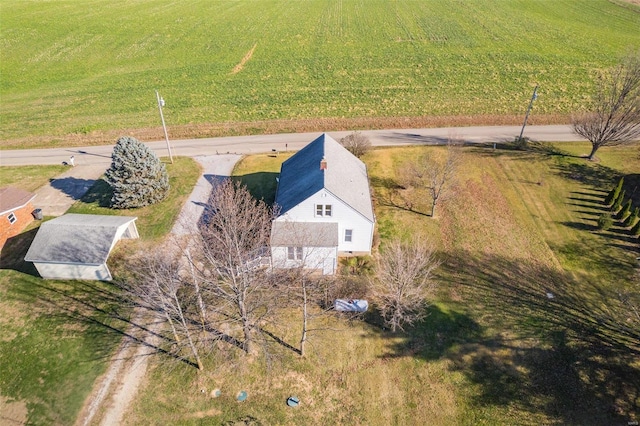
495 348
29 178
154 221
75 71
259 172
57 336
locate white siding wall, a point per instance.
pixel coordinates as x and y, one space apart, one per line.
342 213
73 272
320 258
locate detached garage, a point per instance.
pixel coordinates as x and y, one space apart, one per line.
77 246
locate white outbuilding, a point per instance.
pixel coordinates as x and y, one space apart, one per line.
77 246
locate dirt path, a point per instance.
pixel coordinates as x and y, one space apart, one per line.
114 392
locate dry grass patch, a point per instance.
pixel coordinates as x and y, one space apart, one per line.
239 128
495 348
13 412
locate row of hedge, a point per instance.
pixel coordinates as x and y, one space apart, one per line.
621 211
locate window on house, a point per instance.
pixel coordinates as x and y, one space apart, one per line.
323 209
348 235
294 253
12 218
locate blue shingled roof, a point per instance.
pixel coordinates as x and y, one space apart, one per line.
345 176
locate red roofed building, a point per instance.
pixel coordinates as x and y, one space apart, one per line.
15 212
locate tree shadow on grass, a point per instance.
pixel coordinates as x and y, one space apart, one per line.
509 147
591 227
100 194
591 174
535 339
596 208
101 310
390 193
261 185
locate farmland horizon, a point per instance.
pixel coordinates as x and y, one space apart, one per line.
85 73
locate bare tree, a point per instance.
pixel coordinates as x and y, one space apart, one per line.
232 242
311 244
404 282
436 175
614 116
158 285
357 143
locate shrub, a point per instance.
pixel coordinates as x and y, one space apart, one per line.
635 231
136 175
356 265
605 221
626 211
521 143
617 204
349 287
632 218
614 193
357 144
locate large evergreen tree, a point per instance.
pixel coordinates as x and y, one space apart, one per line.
136 175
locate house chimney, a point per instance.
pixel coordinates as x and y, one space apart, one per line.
323 164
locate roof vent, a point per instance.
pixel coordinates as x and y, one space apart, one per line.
323 164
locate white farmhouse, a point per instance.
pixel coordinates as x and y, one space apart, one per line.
325 208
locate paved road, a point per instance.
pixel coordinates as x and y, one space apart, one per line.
101 155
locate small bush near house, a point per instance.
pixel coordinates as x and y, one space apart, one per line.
605 221
357 265
357 144
136 175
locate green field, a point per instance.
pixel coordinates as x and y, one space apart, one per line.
74 71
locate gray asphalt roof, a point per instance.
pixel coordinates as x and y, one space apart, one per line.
345 176
304 234
13 198
76 238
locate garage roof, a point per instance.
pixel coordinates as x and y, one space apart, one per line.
77 238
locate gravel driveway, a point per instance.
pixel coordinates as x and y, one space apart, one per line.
214 167
114 392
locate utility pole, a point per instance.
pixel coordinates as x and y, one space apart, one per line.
533 98
164 127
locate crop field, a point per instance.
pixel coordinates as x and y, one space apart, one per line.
74 71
